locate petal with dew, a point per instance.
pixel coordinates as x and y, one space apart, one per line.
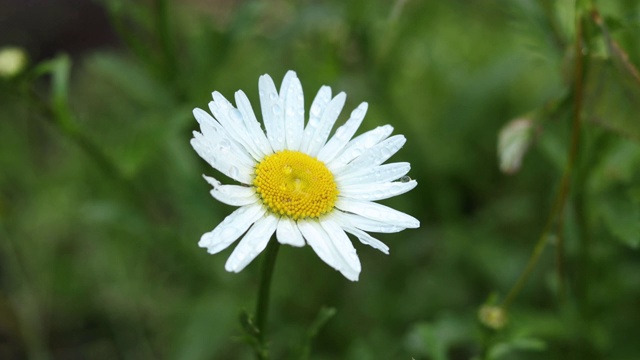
377 212
359 145
294 113
230 229
367 239
315 115
233 195
342 245
374 175
343 134
373 192
254 131
271 105
230 165
375 155
288 233
252 244
367 224
318 239
216 134
329 118
231 119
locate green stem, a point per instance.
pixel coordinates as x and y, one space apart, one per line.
262 306
557 212
575 141
163 28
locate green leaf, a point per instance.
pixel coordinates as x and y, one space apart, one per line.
325 314
621 215
252 334
515 345
59 69
612 100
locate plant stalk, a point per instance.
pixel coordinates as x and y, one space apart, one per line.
264 290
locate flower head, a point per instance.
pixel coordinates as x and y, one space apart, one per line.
297 182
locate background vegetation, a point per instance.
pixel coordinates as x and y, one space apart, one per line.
102 200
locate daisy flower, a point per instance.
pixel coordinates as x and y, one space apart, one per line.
297 182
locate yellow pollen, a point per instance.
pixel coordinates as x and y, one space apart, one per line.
295 184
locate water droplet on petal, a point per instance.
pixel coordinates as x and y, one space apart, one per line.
223 146
235 115
228 231
233 172
405 179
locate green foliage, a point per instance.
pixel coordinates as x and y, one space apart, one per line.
102 201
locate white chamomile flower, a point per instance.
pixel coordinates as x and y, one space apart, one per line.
297 182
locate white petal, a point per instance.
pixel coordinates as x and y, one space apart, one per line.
366 224
344 248
376 155
254 131
319 241
230 229
252 243
288 233
286 82
359 145
232 194
329 117
315 114
367 239
343 134
271 105
349 222
231 119
374 174
293 113
374 192
227 163
216 134
208 125
377 212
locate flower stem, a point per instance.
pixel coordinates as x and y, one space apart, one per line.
262 306
557 212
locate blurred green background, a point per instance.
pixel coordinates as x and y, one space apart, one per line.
102 201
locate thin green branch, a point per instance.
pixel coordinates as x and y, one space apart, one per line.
262 305
164 33
557 211
576 125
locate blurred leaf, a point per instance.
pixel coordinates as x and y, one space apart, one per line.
129 79
617 193
325 314
435 339
610 100
621 215
59 69
503 349
252 334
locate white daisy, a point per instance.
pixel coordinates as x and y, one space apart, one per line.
296 182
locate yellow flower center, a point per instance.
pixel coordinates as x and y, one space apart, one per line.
295 184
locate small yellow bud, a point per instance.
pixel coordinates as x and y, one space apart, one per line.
12 61
492 316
